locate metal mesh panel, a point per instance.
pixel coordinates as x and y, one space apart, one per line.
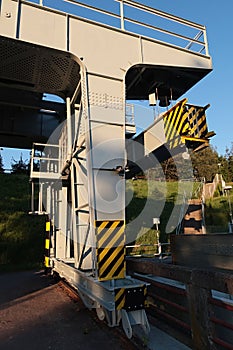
40 68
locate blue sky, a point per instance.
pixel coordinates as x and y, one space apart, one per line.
217 87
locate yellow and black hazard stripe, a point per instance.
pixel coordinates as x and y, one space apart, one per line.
119 298
47 244
183 121
110 238
197 121
174 123
131 299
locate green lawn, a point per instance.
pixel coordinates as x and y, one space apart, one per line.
21 235
217 213
162 198
158 199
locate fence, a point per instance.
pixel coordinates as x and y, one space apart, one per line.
198 301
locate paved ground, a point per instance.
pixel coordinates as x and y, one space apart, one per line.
36 313
159 340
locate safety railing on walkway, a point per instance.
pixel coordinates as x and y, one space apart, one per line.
129 114
134 17
44 161
44 169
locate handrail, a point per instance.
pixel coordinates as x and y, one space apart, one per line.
190 42
182 212
96 9
167 16
150 26
160 13
159 246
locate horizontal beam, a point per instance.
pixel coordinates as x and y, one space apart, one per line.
28 99
203 278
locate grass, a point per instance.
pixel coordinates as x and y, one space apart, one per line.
217 213
164 200
21 235
153 199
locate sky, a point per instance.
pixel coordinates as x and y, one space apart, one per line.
217 87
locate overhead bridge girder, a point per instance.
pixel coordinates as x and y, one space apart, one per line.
47 58
147 63
21 127
183 127
32 67
27 73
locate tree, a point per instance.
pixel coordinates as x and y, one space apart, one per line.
223 168
169 169
226 162
205 163
19 167
178 168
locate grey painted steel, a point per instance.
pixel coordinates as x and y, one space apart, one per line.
94 77
39 61
133 318
121 57
98 295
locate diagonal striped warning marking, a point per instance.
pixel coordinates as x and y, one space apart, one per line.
119 298
200 127
173 120
178 111
110 237
184 120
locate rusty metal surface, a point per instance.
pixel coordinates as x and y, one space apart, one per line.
204 278
203 251
202 309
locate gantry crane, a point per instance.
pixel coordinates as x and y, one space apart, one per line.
79 150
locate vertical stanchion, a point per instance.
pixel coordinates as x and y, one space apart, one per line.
122 14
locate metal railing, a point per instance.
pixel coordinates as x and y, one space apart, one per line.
148 250
182 213
129 114
44 160
137 18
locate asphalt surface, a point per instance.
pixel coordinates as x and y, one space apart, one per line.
36 313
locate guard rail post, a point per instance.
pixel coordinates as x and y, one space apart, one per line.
200 313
